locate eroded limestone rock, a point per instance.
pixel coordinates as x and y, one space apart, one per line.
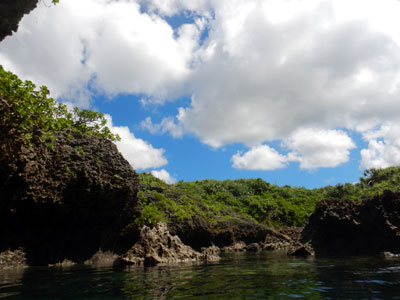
12 258
158 246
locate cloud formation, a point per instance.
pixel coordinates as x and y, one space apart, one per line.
312 148
383 146
140 154
164 175
110 45
304 73
259 158
315 148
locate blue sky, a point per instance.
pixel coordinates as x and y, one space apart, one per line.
304 93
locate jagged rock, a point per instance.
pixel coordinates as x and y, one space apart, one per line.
387 254
103 258
198 233
158 246
67 200
11 12
301 250
195 232
16 258
343 227
236 247
253 247
64 263
212 250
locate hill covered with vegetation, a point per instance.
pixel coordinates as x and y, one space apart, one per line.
222 202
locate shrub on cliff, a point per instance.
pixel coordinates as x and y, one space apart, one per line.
31 112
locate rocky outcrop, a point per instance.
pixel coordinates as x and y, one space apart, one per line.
343 227
11 12
158 246
101 258
228 235
11 259
66 200
301 250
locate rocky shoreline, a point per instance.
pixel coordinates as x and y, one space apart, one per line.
157 246
336 228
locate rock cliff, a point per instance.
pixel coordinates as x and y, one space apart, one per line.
66 200
11 12
343 227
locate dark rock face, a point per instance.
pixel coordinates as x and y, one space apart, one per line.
199 234
66 201
301 250
343 227
11 12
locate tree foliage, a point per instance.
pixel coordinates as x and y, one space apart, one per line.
31 112
219 202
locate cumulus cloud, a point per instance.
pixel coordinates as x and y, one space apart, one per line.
256 71
315 148
312 148
260 157
109 45
164 175
167 125
383 147
261 79
139 153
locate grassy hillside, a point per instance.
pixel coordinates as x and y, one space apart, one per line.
222 202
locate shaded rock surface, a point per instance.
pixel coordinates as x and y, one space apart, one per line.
343 227
66 201
302 250
199 234
158 246
11 12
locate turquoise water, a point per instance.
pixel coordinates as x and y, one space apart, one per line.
268 275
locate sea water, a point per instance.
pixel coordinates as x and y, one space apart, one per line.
266 275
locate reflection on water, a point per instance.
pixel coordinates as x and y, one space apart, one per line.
241 276
269 275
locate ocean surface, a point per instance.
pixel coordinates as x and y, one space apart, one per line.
267 275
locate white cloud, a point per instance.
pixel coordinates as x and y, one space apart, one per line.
164 175
261 79
383 147
259 158
266 70
110 45
139 153
315 148
167 125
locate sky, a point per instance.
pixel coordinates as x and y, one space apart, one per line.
296 92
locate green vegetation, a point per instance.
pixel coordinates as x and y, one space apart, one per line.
222 202
31 112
